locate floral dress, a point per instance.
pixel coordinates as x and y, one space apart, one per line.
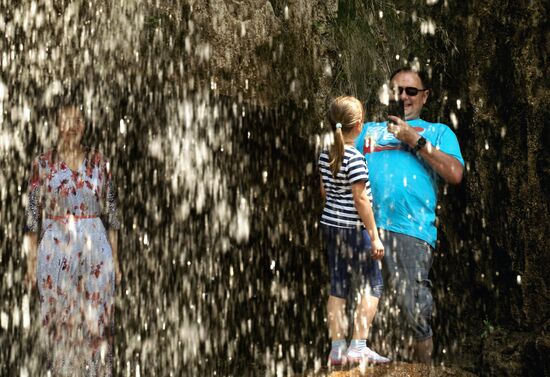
75 270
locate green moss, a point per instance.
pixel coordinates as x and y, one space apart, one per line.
488 328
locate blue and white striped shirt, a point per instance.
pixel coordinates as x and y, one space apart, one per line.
340 208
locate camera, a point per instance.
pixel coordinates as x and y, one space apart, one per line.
396 108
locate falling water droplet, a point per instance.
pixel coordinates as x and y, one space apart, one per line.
454 120
26 312
122 127
4 320
24 372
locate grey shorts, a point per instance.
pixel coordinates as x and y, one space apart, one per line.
407 263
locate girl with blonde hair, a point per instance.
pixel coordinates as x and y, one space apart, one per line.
350 234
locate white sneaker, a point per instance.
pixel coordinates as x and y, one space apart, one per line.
337 358
362 355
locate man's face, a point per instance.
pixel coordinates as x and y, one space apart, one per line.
413 104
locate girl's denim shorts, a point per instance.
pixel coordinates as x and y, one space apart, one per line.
349 253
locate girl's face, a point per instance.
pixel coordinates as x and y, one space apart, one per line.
70 125
359 127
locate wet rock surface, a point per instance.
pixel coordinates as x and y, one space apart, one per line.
266 52
211 112
501 72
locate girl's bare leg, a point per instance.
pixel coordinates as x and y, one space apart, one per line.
364 315
337 320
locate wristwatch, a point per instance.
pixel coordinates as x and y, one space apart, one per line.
421 143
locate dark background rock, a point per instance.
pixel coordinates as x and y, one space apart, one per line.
501 72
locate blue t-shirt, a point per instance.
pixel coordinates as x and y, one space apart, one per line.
403 185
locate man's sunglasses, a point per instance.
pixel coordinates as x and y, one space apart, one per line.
410 90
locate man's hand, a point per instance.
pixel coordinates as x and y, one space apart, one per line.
402 131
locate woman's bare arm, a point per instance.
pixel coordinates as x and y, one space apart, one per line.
30 249
113 240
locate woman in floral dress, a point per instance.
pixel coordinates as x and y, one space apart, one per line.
72 258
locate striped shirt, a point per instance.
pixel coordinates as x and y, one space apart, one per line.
340 208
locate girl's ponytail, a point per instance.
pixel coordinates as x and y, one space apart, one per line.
337 150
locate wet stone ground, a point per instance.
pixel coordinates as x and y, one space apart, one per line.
396 369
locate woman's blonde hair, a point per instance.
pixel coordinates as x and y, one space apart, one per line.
345 111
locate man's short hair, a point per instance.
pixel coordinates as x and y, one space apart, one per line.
423 75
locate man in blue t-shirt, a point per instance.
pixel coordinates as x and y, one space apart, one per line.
405 159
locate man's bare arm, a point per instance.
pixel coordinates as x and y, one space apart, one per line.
448 167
